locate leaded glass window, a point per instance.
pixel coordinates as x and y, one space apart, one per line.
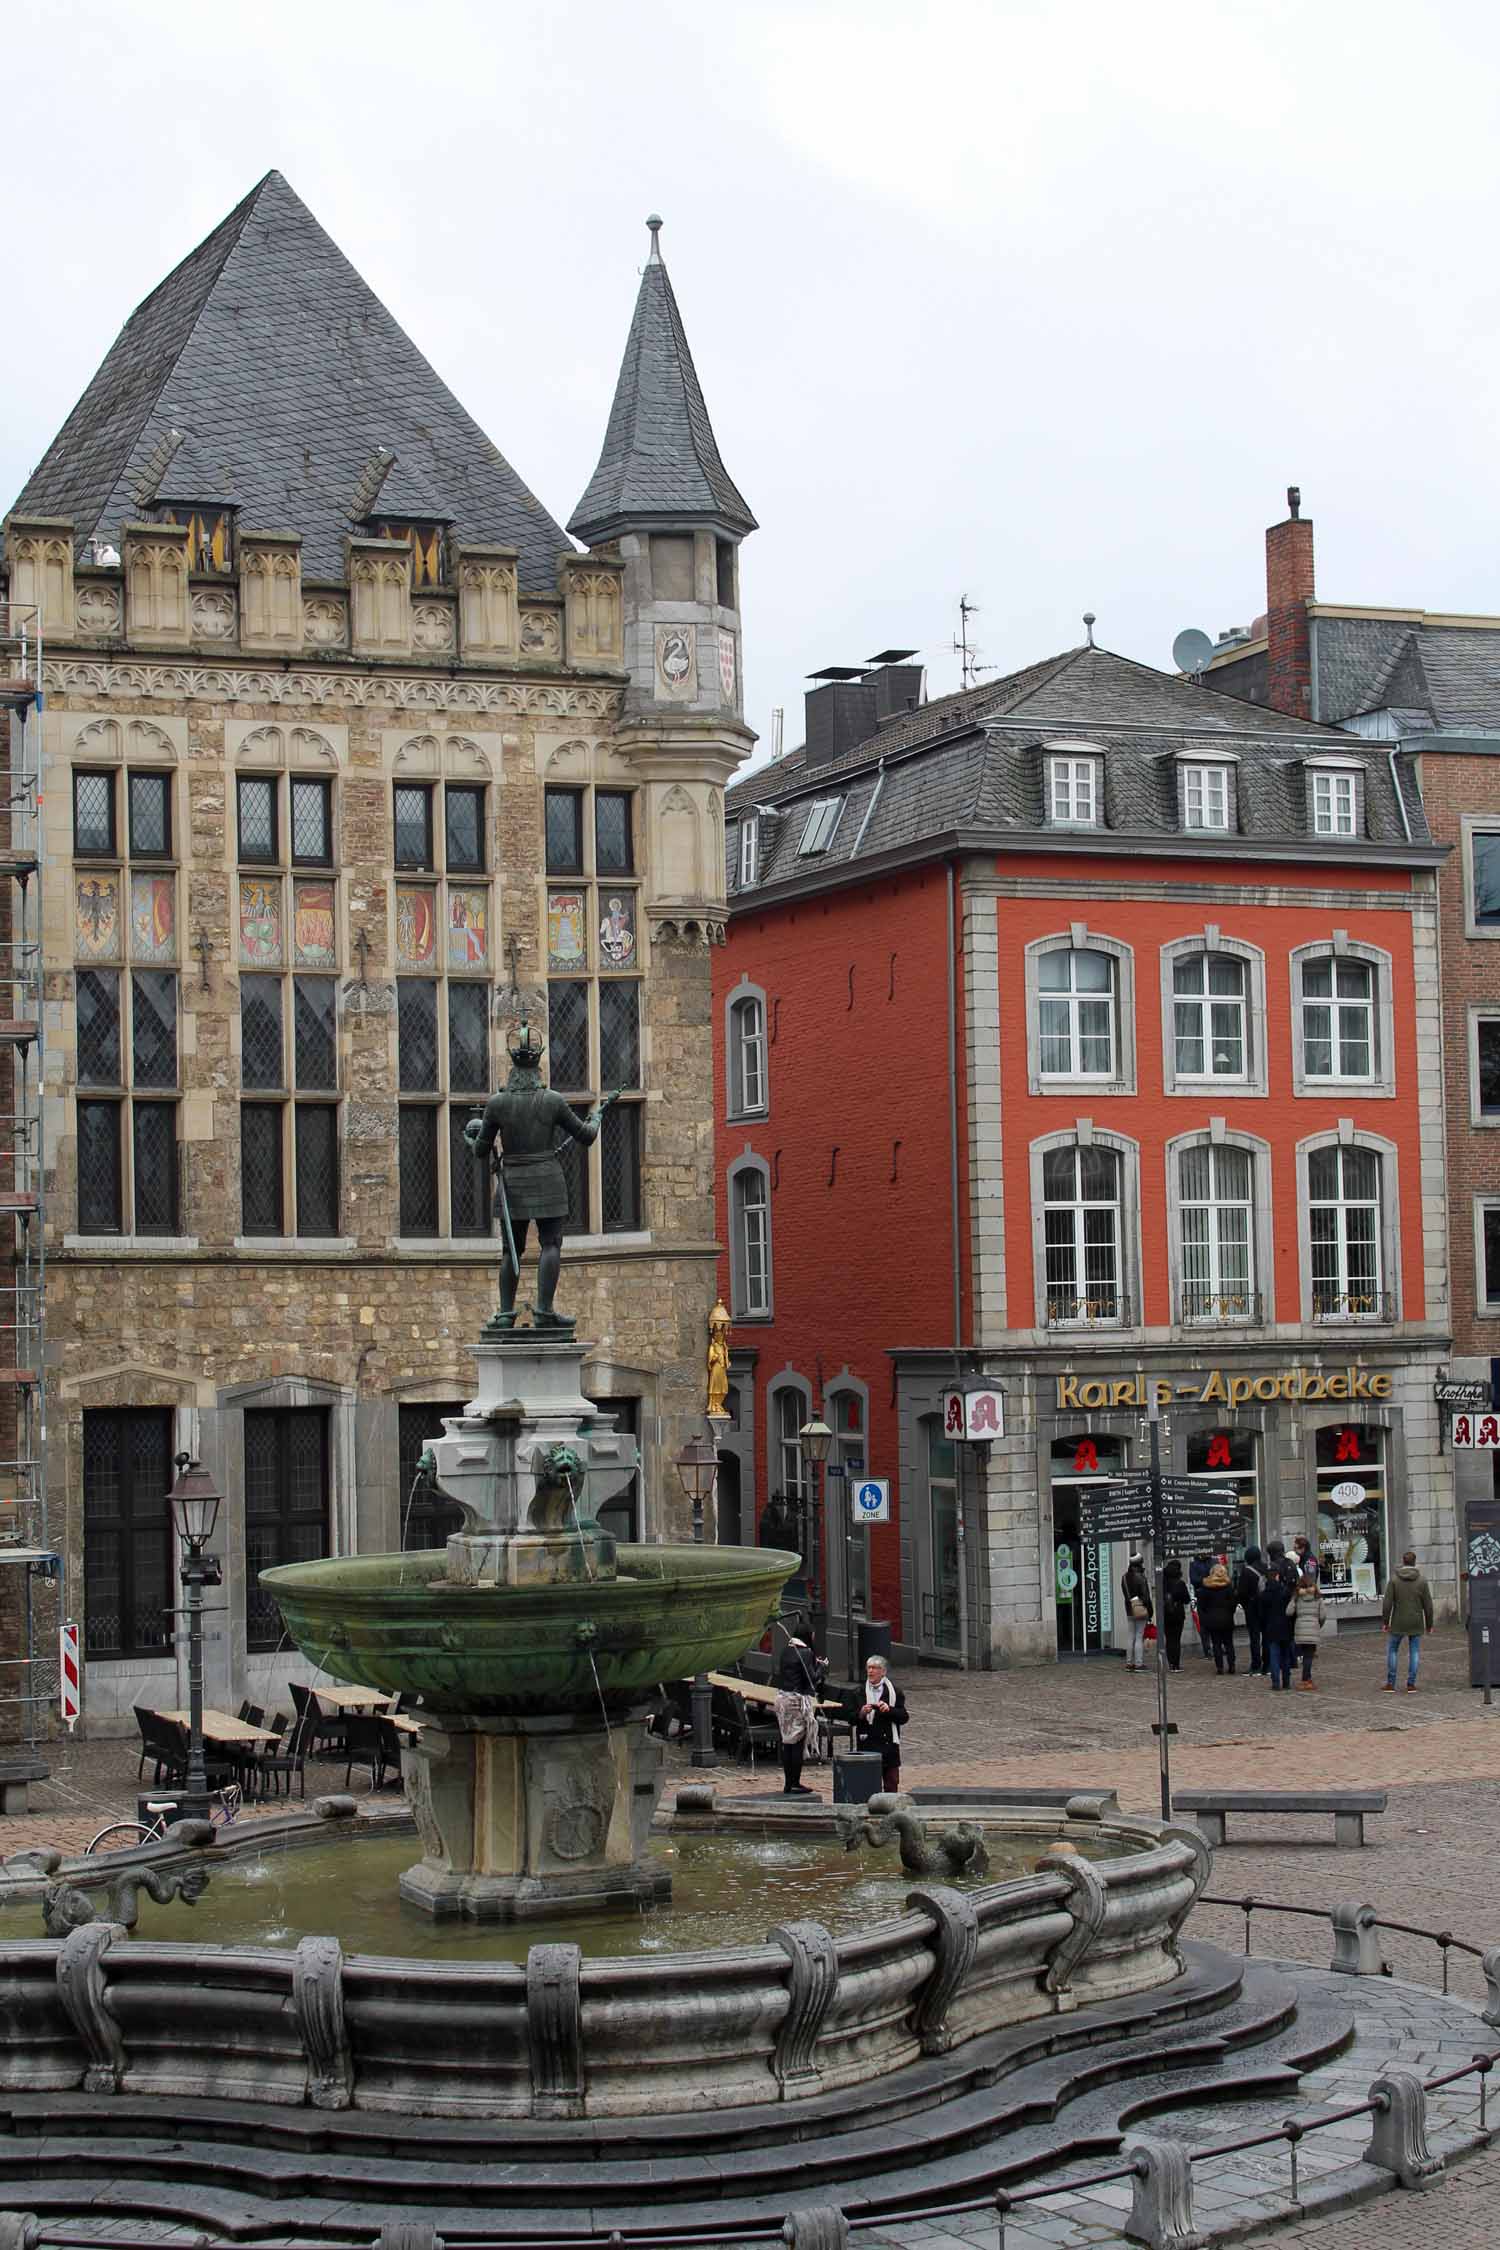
316 1126
463 821
469 1179
99 1181
261 1206
153 1014
93 815
613 852
150 815
315 1039
154 1153
564 819
312 823
619 1035
286 1505
417 1035
418 1158
413 818
620 1167
468 1038
262 1061
98 1009
256 796
127 1533
568 1034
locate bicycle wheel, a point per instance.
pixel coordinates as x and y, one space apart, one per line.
120 1835
226 1805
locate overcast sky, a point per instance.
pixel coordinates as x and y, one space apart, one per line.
1045 304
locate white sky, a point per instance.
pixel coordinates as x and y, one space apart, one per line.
1043 303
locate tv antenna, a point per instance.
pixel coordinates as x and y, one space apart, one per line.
963 648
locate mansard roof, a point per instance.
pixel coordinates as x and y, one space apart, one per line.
660 460
285 375
974 765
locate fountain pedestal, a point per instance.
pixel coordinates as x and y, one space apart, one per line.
524 1817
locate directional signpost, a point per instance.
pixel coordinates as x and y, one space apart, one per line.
1177 1514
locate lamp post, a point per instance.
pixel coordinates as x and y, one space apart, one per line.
195 1507
698 1467
817 1440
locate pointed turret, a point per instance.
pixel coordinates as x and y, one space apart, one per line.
660 462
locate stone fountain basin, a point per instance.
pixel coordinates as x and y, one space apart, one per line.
397 1622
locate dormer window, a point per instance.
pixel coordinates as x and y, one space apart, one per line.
426 546
210 535
1207 800
749 852
822 820
1336 800
1073 791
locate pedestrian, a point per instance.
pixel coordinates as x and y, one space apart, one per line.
1198 1570
882 1715
1406 1611
1247 1592
1136 1589
1301 1555
1307 1620
1174 1609
1276 1597
801 1675
1216 1600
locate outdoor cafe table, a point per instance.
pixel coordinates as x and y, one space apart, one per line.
219 1726
753 1692
347 1698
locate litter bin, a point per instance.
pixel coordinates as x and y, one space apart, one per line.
857 1777
872 1637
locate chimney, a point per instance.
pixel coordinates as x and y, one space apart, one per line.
1289 589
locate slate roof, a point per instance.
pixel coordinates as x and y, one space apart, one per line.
985 769
660 455
1433 676
285 373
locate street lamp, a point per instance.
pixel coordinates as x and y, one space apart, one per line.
698 1468
195 1508
816 1440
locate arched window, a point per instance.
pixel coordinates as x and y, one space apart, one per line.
1080 1013
747 1053
1213 994
1341 1005
1083 1236
1218 1244
1344 1206
750 1239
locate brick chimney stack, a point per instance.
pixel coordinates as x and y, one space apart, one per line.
1289 589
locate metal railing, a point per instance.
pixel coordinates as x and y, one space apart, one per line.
1353 1304
1242 1306
1100 1308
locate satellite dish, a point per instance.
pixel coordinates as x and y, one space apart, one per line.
1191 650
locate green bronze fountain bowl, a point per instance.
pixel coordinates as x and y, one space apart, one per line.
398 1623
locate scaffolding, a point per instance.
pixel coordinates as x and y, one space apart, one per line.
28 1671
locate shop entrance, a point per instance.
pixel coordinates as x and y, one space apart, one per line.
1083 1575
1352 1535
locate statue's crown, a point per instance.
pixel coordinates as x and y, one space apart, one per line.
524 1044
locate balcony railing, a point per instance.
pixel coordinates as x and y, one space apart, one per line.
1240 1306
1103 1308
1353 1304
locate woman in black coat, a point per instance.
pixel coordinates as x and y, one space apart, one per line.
1216 1606
1174 1601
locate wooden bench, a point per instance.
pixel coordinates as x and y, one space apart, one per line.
1210 1807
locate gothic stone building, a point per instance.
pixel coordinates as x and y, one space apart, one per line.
346 741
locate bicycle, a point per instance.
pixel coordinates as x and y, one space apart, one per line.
121 1835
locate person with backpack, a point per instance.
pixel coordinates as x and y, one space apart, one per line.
1136 1589
1307 1621
1174 1609
1276 1619
1248 1585
1216 1608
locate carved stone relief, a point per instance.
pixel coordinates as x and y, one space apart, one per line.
325 621
99 610
676 663
98 679
271 597
41 574
254 745
101 740
677 856
213 615
432 627
380 594
541 633
594 612
156 589
488 618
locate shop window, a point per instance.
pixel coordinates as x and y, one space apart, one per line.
1353 1527
1228 1460
1083 1574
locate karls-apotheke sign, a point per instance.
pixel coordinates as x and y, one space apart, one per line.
1298 1386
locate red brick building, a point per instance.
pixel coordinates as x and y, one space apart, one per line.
1069 1039
1425 688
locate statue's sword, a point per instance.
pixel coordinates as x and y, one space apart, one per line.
507 1232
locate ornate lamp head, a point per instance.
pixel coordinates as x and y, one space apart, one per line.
524 1044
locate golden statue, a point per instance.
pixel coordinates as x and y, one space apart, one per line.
718 1358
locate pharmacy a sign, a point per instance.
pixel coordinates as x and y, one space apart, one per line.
974 1417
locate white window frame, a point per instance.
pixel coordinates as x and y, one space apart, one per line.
1387 1229
1207 777
1476 824
737 1102
1480 1013
1261 1284
1120 1079
788 1384
1253 1080
1128 1255
1381 1083
1074 789
745 1305
749 852
820 826
1327 780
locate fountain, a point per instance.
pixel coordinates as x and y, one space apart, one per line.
534 1638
